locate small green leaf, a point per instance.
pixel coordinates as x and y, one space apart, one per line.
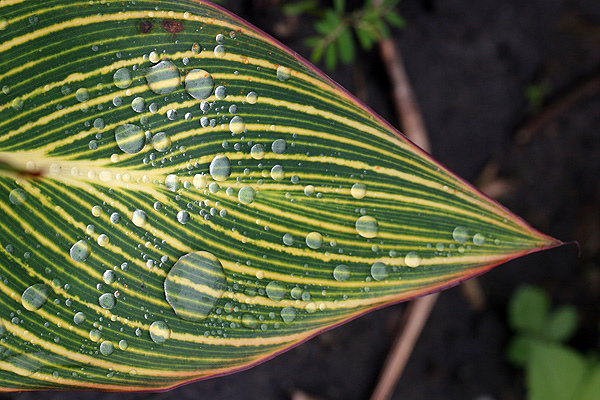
345 44
519 350
528 309
590 389
395 19
331 57
339 6
365 38
561 324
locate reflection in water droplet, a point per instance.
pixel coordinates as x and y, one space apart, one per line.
220 168
163 78
172 182
309 190
196 48
17 196
275 290
367 227
257 152
35 296
159 332
341 273
246 195
460 234
478 239
412 260
107 300
194 285
108 276
358 190
200 181
220 51
183 217
379 271
79 318
237 125
288 239
107 348
161 142
130 138
115 218
277 173
122 78
314 240
199 84
123 345
82 95
288 314
80 251
96 211
279 146
103 240
139 218
154 57
252 98
138 104
283 73
95 335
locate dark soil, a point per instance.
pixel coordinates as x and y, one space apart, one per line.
470 63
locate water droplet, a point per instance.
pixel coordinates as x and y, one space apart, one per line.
115 218
108 276
99 123
220 168
139 218
288 314
123 345
138 104
237 125
309 190
279 146
199 84
107 348
80 251
17 196
358 190
3 24
130 138
79 318
478 239
257 151
412 260
275 290
246 195
172 182
17 104
220 51
367 227
252 98
200 181
196 48
288 239
107 300
183 217
283 73
379 271
214 187
95 335
82 95
341 273
35 296
154 57
96 211
314 240
277 173
161 142
194 285
103 240
460 234
220 92
163 78
122 78
159 332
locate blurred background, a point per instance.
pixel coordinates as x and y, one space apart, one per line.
510 94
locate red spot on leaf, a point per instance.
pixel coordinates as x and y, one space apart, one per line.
146 26
172 26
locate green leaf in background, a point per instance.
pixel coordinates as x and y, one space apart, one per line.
528 310
182 197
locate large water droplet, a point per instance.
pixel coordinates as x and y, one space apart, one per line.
275 290
107 347
159 332
220 168
314 240
358 190
172 182
161 142
279 146
200 181
107 300
122 78
163 78
379 271
17 196
283 73
138 104
257 152
367 227
194 285
199 84
183 217
478 239
80 251
108 276
412 259
460 234
139 218
277 173
35 296
130 138
103 240
237 125
82 95
341 273
246 195
288 239
288 314
79 318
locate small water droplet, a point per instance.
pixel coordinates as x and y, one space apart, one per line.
183 217
379 271
275 290
107 300
283 73
341 273
96 211
17 196
220 92
237 125
161 142
257 152
200 181
220 51
412 260
196 48
154 57
79 318
139 218
199 84
172 182
314 240
163 78
108 276
460 234
35 296
130 138
80 251
122 78
159 332
107 347
277 173
220 168
358 190
478 239
246 195
279 146
288 239
367 227
309 190
123 345
95 335
288 314
252 98
103 240
138 104
194 285
82 95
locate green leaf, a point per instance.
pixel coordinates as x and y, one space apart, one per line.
331 56
183 197
554 372
590 389
528 309
345 44
339 6
519 349
561 324
395 19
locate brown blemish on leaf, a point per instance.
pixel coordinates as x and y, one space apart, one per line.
172 26
146 26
